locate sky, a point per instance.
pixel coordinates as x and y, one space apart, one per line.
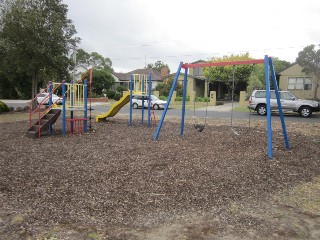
133 33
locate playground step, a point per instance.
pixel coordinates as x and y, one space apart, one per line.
46 120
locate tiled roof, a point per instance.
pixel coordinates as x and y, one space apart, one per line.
155 75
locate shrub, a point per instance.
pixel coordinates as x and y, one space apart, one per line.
179 98
3 107
202 99
122 88
110 93
164 98
219 103
117 96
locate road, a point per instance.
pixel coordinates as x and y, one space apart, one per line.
216 114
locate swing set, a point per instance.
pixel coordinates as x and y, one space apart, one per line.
269 70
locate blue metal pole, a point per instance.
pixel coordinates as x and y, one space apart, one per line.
284 129
85 102
64 119
50 103
156 135
149 102
143 98
269 127
131 86
184 99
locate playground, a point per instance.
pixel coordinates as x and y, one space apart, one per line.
115 178
116 182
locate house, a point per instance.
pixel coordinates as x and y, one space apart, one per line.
294 80
123 79
79 71
197 82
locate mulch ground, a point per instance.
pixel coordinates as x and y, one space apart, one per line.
116 178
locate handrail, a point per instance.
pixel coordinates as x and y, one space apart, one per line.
41 104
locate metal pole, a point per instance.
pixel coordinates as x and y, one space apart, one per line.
184 99
143 98
149 102
156 135
131 86
269 127
64 120
50 103
85 99
284 130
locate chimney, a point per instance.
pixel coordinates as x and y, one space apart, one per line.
164 72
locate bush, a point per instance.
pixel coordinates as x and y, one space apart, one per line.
110 93
3 107
122 88
164 98
202 99
219 103
117 96
179 99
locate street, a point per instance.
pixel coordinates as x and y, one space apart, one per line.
215 114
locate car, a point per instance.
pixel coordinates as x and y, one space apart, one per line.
45 98
289 103
156 103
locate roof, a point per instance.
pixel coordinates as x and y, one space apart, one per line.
292 64
155 75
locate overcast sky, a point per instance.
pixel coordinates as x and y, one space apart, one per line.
135 32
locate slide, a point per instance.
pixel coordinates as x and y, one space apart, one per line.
115 107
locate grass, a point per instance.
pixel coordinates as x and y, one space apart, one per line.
305 196
12 117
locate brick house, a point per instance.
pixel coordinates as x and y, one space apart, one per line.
123 79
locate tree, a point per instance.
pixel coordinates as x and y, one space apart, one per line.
257 78
158 65
309 60
164 88
280 65
240 73
93 59
36 38
101 80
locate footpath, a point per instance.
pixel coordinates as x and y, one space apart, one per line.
226 107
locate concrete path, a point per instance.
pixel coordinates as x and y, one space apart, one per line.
226 107
16 103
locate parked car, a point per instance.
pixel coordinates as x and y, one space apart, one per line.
156 103
55 99
289 103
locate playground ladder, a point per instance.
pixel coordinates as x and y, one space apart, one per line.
42 125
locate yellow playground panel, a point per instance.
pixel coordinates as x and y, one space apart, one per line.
140 83
74 95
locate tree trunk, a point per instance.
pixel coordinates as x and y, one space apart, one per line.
34 89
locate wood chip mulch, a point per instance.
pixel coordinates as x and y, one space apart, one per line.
118 175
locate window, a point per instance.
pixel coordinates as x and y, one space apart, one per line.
286 96
262 94
299 83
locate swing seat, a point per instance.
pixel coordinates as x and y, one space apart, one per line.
199 127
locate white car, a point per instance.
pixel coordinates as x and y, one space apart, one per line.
156 103
45 98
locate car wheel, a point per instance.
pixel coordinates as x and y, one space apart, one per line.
155 106
135 106
262 109
305 111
